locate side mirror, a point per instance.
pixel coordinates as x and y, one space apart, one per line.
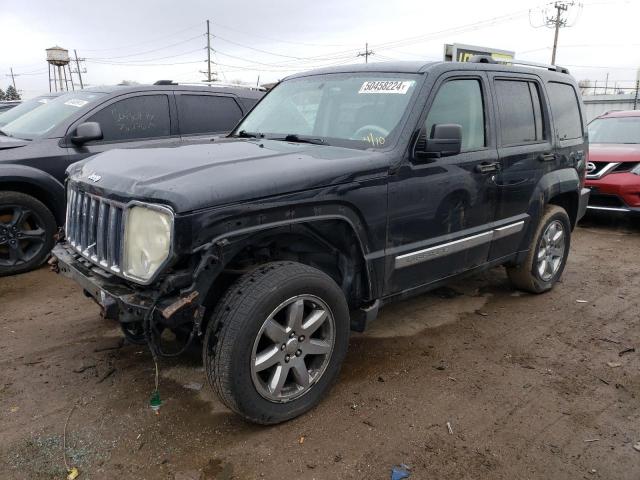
87 132
445 139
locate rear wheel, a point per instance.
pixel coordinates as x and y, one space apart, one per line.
547 255
27 229
276 341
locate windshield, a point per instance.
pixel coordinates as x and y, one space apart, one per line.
355 110
24 107
615 130
41 120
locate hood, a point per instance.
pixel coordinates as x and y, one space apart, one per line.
614 152
10 142
205 175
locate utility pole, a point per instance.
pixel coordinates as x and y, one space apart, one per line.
557 22
208 53
635 100
78 68
606 83
210 75
366 53
13 78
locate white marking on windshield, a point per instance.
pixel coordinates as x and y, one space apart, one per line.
386 86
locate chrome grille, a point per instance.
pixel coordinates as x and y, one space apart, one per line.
94 228
596 170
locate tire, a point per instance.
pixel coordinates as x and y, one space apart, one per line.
239 333
27 229
528 276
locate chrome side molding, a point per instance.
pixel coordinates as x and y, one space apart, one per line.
431 253
608 209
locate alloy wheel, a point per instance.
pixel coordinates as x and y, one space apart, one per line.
293 348
22 236
551 250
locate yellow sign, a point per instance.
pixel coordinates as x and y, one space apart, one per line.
463 53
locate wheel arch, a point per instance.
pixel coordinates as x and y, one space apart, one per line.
330 243
38 184
559 187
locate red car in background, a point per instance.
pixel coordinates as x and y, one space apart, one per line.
613 170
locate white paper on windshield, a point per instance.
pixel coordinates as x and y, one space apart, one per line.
76 102
386 86
43 100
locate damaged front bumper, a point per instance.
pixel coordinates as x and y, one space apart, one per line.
121 301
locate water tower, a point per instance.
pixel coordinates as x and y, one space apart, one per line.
58 60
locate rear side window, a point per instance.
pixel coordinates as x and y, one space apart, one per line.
207 114
460 101
146 116
520 112
566 110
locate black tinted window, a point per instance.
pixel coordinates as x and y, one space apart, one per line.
565 109
460 101
145 116
520 112
207 113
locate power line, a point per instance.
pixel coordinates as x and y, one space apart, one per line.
141 60
147 51
280 40
145 64
146 42
459 29
394 43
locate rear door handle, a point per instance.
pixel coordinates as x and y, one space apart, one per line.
547 157
486 167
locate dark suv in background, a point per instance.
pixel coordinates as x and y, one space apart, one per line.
344 189
36 148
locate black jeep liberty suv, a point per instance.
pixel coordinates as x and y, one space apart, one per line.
342 190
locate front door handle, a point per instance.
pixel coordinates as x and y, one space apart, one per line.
547 157
486 167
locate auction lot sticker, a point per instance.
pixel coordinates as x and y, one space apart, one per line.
76 102
386 86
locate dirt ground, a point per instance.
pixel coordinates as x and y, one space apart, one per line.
533 387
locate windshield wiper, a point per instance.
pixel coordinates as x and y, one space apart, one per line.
294 137
5 134
245 134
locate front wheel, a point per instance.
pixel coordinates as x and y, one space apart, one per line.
547 255
276 341
27 229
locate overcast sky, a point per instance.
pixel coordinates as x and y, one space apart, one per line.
146 41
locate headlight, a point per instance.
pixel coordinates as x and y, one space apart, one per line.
147 240
636 169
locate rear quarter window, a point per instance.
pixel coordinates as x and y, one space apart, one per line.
566 110
207 113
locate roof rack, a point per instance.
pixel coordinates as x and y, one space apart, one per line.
165 82
490 59
211 84
226 85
